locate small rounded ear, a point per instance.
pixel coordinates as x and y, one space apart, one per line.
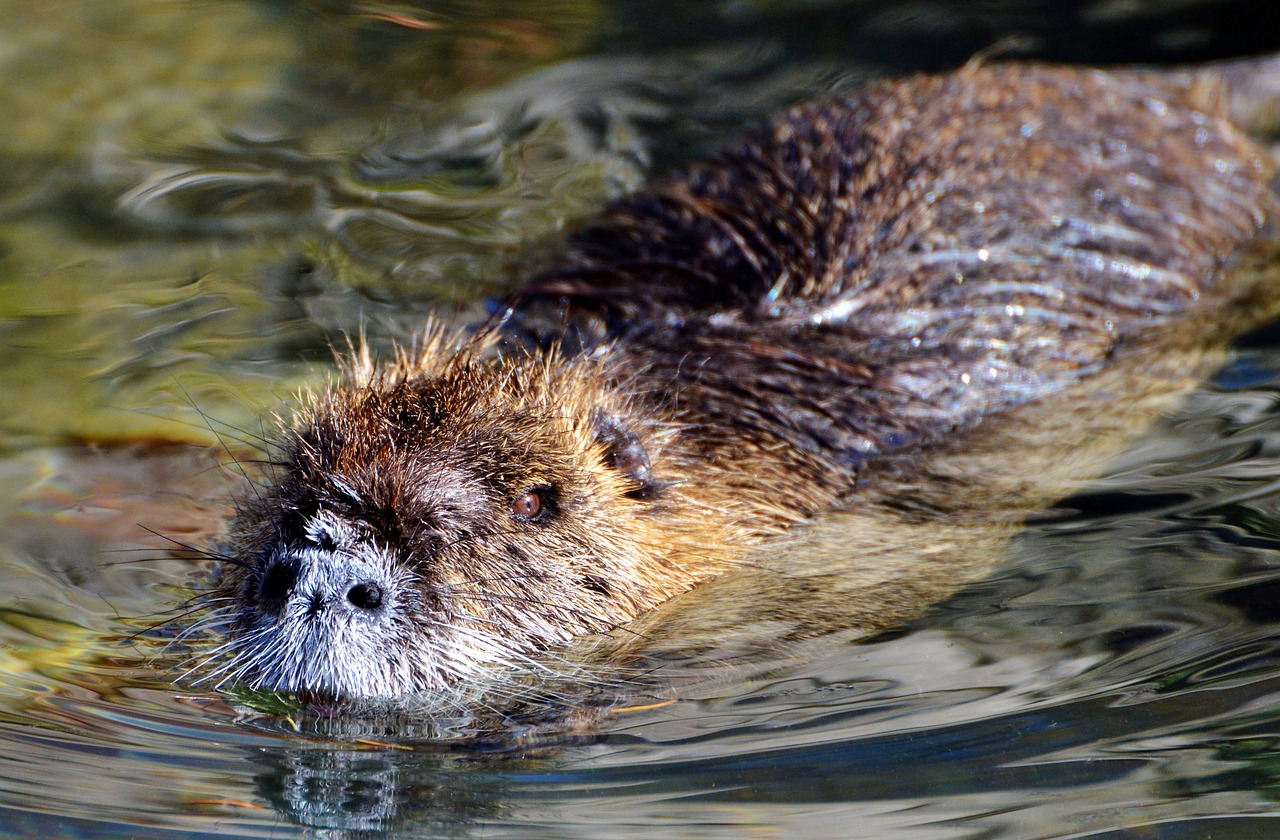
624 452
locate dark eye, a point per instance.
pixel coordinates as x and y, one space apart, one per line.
529 505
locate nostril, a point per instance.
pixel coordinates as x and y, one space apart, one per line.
276 583
365 595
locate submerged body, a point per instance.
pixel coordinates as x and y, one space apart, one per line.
865 279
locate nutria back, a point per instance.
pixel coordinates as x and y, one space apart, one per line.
939 246
729 352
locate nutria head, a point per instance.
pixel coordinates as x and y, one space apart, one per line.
450 514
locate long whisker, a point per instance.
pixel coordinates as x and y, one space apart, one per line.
196 550
208 421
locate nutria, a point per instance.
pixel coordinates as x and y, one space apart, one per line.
727 353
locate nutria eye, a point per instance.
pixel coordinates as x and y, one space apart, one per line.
529 505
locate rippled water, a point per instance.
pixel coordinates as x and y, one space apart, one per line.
196 200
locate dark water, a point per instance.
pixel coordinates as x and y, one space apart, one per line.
197 199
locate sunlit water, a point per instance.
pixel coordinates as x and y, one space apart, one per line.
197 200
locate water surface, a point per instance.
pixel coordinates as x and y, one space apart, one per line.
199 199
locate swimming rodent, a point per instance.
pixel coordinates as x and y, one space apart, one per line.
728 353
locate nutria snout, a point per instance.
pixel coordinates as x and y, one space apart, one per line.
859 280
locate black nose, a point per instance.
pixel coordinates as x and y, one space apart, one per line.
317 581
276 583
365 595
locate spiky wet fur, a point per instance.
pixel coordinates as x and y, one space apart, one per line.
413 464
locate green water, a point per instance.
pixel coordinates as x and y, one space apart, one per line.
198 199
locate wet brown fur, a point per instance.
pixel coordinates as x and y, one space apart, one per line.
863 280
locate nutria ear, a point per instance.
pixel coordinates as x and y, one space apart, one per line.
624 452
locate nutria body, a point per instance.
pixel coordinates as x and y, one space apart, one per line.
863 279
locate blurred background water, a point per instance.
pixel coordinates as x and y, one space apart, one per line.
198 199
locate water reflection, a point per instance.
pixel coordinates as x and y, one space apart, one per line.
197 199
